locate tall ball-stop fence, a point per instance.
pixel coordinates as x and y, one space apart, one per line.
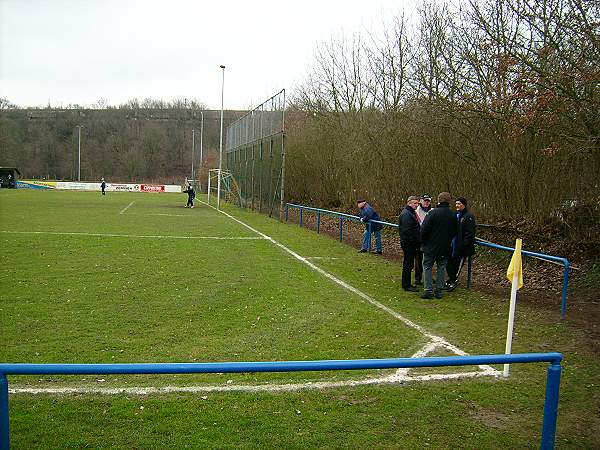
255 146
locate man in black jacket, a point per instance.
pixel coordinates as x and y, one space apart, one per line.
191 195
463 244
410 240
437 232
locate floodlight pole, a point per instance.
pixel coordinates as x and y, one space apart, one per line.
201 134
193 144
221 142
79 153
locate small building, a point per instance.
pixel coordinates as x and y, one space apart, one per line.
8 177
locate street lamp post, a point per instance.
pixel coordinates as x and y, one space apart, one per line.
79 153
221 141
193 145
201 135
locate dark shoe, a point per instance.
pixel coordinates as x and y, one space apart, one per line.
419 283
427 295
452 286
439 294
362 250
411 289
378 252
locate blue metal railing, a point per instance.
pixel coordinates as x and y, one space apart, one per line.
558 259
342 217
550 402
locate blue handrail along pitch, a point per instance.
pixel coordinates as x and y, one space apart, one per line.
550 403
342 217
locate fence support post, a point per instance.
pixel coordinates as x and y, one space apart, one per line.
551 406
301 211
4 420
318 222
369 233
341 224
563 305
286 211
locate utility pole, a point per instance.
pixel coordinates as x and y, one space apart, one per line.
221 142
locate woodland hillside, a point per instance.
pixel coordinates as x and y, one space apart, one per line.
494 100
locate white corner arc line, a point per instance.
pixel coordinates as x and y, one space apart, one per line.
437 340
127 207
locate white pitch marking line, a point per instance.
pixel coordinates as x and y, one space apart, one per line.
288 387
127 207
169 215
322 257
437 340
241 238
400 376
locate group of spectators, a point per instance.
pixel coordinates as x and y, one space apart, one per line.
428 236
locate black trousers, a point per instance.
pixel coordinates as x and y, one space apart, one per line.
410 251
418 266
454 267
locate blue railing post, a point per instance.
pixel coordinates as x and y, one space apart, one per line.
563 305
4 420
286 212
369 233
318 222
301 211
341 228
551 406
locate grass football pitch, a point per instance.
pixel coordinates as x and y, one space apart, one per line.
131 277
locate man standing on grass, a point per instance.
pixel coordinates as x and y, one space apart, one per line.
437 232
410 240
422 210
463 244
103 186
367 214
191 195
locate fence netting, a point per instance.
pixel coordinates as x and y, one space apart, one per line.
255 146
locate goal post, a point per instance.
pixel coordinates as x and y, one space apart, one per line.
230 190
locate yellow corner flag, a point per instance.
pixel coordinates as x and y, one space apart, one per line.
516 265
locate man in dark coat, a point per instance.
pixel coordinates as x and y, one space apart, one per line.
410 240
191 195
103 186
437 232
367 214
463 244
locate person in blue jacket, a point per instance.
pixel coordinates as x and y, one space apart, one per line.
367 214
191 195
103 186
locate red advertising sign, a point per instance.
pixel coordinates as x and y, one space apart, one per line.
152 188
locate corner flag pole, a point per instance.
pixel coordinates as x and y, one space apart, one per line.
515 275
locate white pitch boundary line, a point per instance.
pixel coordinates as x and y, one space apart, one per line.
57 233
437 341
127 207
287 387
321 257
400 376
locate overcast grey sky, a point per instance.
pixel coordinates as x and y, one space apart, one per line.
80 51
